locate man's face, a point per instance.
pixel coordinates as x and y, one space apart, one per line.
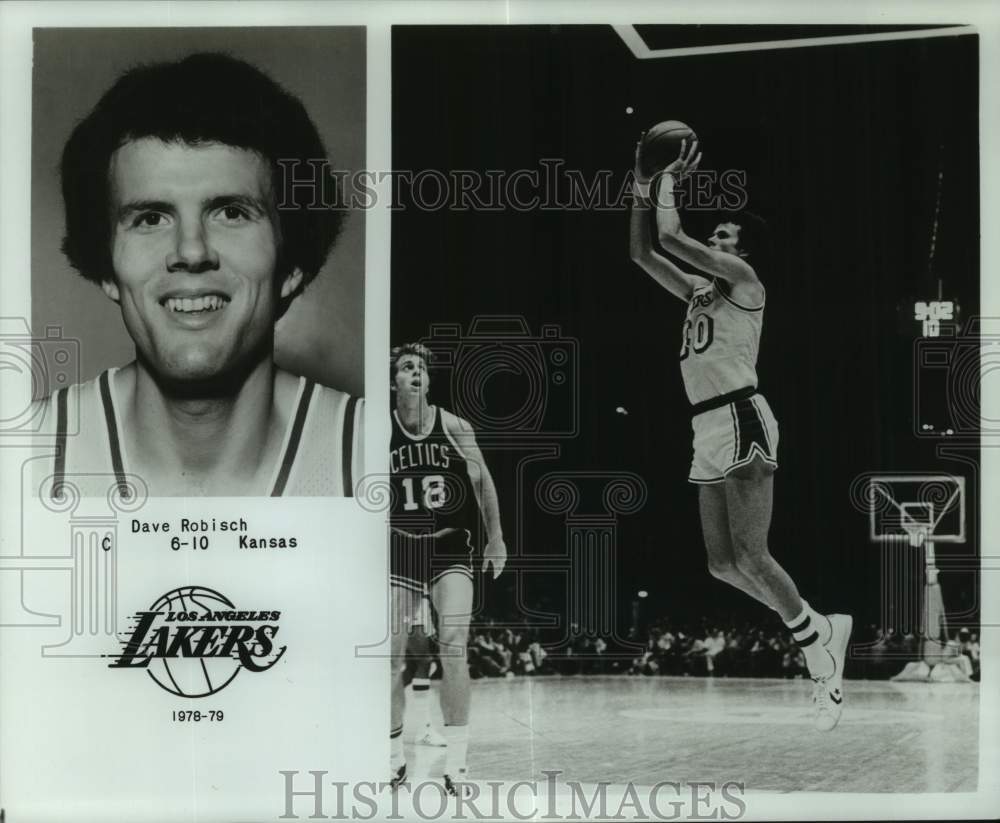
411 376
194 249
726 238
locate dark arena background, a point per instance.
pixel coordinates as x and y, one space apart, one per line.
864 159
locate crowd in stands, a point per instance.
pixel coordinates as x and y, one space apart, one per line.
699 648
506 652
706 649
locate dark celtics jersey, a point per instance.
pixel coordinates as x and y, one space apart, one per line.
431 486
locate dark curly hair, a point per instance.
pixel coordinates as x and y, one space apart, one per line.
754 239
204 98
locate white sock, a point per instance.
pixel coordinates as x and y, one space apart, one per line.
420 705
811 632
458 746
396 757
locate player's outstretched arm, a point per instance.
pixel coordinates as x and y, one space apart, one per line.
675 240
678 283
495 553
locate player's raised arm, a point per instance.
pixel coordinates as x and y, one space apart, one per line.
674 239
677 282
495 552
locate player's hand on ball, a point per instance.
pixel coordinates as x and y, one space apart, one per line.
495 555
687 161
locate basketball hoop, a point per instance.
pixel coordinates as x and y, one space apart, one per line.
914 513
916 532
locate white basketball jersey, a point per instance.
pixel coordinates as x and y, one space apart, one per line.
720 343
320 455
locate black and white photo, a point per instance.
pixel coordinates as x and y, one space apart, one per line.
498 410
756 528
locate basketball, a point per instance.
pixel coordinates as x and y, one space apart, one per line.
661 145
190 676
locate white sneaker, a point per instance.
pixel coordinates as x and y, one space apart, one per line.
397 777
828 695
458 786
430 737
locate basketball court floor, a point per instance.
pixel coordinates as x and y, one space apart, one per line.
893 737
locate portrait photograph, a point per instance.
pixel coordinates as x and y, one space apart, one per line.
205 345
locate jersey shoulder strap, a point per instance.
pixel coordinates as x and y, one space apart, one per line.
726 290
323 450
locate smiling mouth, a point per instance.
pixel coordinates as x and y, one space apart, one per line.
203 304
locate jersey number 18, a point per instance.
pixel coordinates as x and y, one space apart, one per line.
434 492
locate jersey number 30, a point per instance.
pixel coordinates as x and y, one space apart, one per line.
698 335
434 492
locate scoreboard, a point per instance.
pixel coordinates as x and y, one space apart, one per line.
931 313
928 318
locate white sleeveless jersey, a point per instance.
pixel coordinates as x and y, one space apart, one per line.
320 454
720 342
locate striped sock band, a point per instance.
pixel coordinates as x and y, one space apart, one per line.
804 626
807 628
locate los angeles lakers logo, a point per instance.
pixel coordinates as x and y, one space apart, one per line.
193 641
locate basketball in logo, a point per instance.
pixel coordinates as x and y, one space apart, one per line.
193 676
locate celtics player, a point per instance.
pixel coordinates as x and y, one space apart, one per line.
735 433
442 493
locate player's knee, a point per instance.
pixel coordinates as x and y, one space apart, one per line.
453 637
724 570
